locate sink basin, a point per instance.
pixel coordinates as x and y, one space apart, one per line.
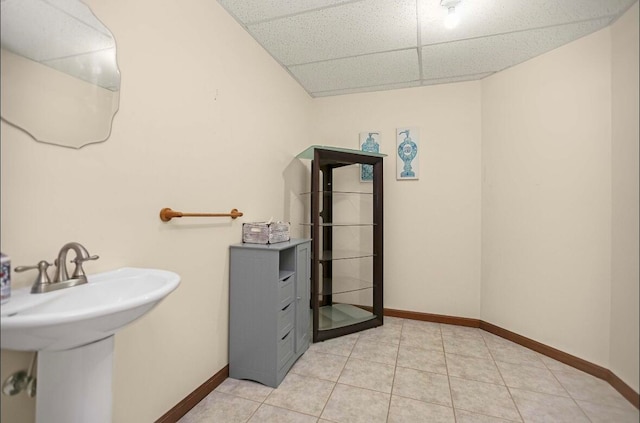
76 316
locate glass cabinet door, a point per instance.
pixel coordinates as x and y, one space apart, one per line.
347 234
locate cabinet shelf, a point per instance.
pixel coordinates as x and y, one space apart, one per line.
346 284
332 255
341 315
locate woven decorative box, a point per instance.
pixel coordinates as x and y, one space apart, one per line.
265 232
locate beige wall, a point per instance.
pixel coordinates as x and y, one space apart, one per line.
432 225
624 239
207 122
516 174
546 191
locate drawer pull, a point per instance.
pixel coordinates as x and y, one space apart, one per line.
285 307
285 337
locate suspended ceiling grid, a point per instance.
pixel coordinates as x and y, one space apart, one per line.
334 47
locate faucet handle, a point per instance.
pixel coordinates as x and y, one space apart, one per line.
81 259
79 271
43 277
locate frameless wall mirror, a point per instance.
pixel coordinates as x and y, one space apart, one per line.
60 79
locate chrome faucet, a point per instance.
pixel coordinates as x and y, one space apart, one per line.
61 278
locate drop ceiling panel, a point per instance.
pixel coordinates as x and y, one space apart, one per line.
347 30
361 71
462 78
252 11
495 53
368 89
343 46
482 18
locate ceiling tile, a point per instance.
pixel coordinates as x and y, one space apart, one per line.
482 18
249 11
491 54
367 89
462 78
357 72
347 30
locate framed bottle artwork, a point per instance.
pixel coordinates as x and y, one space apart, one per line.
407 153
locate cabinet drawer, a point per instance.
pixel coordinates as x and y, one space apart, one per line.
285 349
285 320
286 291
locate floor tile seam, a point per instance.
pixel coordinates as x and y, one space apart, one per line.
254 412
485 415
519 388
344 366
422 348
513 401
472 356
366 389
393 379
575 400
323 407
236 396
428 371
520 364
479 341
577 405
450 405
289 409
422 370
316 377
566 391
605 404
365 341
372 361
327 402
475 380
462 338
540 356
465 355
446 366
250 399
363 387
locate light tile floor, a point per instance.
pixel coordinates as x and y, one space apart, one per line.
412 371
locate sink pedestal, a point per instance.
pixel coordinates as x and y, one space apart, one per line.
74 386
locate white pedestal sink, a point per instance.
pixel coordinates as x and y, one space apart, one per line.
73 331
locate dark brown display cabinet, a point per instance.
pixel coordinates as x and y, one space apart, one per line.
346 227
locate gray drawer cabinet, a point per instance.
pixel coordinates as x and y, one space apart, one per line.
269 309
